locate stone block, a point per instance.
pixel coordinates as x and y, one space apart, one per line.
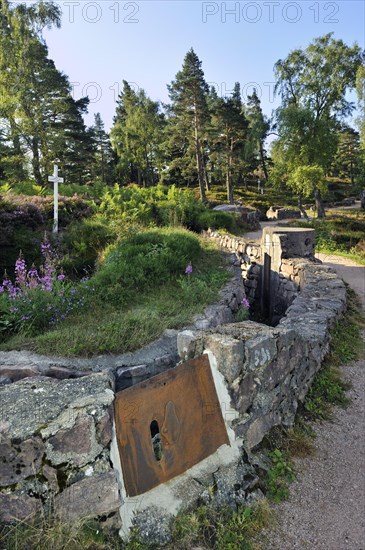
19 461
91 497
229 354
285 337
276 371
245 393
189 344
259 351
217 315
153 526
251 283
287 270
257 430
76 445
104 430
31 404
51 476
18 507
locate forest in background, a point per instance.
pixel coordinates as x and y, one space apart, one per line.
198 140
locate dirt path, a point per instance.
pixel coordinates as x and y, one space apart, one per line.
326 507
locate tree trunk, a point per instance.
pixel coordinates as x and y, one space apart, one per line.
230 198
206 177
300 206
36 162
18 163
263 162
103 178
319 204
199 162
139 176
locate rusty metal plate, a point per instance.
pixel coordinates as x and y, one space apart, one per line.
167 424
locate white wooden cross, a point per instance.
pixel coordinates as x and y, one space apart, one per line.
56 180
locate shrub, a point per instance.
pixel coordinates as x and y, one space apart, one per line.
144 260
216 220
36 211
162 206
82 242
18 214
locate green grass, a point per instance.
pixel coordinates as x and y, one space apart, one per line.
205 527
328 389
221 529
111 327
44 534
347 344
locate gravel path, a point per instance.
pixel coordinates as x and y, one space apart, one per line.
326 507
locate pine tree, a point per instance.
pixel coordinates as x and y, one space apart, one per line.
136 136
103 156
258 130
228 130
43 121
346 163
189 114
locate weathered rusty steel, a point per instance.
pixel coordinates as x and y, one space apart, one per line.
167 424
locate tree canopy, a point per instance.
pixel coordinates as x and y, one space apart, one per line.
313 85
198 138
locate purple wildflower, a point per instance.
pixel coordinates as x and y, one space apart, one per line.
47 279
189 268
21 271
33 277
245 303
46 247
61 276
13 291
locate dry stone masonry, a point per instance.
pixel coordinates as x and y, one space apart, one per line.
58 436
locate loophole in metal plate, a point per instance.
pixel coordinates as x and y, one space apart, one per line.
167 424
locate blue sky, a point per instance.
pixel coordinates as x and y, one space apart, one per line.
104 42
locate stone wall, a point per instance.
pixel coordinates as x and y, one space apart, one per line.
261 375
244 255
282 213
55 440
284 246
268 370
57 431
56 421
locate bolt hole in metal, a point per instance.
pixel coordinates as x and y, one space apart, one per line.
156 439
